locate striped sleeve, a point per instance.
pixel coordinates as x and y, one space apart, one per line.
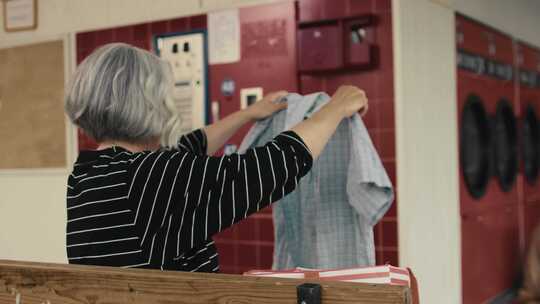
194 142
205 194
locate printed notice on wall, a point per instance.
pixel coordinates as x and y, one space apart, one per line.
19 14
224 37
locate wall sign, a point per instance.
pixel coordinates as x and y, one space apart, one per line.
224 36
20 15
187 55
484 66
529 79
264 38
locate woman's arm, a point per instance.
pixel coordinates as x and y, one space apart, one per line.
219 132
208 194
233 187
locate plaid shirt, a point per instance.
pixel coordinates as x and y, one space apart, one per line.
327 222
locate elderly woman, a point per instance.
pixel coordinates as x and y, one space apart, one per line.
149 198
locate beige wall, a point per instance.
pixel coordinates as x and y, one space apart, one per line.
64 16
427 147
32 216
426 126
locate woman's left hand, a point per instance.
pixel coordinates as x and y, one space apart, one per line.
267 106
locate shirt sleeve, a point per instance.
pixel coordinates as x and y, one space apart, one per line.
194 142
368 186
195 196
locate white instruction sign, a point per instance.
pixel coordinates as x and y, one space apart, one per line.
224 37
185 53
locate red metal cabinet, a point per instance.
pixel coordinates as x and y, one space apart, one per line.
472 79
490 218
528 69
528 60
338 45
315 10
320 48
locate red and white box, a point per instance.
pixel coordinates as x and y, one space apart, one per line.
385 274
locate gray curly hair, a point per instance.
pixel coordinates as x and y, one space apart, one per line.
121 92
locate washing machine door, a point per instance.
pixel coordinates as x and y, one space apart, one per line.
530 145
475 146
505 145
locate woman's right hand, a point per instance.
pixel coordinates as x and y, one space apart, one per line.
349 100
317 130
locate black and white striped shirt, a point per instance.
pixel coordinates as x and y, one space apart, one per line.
160 209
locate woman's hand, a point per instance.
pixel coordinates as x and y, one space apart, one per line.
220 131
350 100
317 130
266 106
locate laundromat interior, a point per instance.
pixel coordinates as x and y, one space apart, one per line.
452 122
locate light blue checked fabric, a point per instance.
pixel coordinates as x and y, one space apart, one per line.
327 222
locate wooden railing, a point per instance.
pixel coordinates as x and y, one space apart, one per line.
28 283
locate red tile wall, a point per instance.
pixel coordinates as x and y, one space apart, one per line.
379 86
249 244
272 67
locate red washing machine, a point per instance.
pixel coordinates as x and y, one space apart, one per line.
528 61
488 144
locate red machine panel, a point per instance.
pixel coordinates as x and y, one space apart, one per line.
490 257
489 160
529 99
485 60
528 61
531 220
